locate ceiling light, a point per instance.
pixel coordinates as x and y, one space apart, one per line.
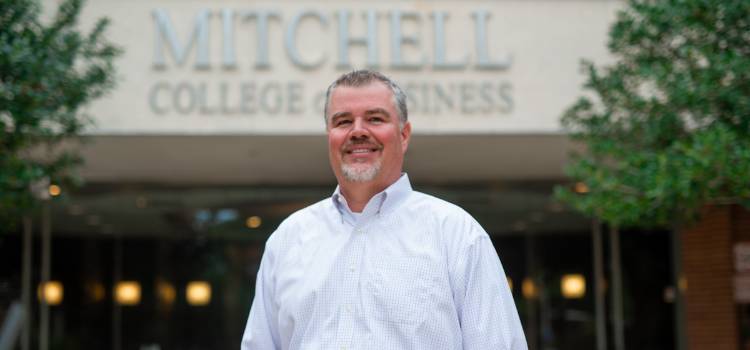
253 222
198 293
128 293
573 286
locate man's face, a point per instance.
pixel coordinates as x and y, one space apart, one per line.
365 142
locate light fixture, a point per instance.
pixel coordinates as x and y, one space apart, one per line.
166 292
198 293
682 283
581 188
51 292
128 293
529 289
253 222
96 291
573 286
54 190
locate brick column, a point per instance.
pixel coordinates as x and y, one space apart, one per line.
708 266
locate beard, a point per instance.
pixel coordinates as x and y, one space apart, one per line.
360 172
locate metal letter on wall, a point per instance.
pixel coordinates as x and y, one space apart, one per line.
398 39
369 40
290 42
483 55
166 31
261 32
228 56
441 62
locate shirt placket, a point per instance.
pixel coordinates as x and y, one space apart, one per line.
350 292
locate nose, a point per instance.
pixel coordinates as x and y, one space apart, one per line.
359 129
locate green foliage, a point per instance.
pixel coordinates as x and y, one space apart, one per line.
48 71
667 125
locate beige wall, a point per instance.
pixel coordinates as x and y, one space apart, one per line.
544 41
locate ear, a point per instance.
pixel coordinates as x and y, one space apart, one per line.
405 136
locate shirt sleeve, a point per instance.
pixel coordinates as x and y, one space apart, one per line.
261 332
486 311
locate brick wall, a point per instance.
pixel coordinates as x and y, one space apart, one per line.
741 232
707 262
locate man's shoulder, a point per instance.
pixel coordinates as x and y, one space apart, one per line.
453 224
441 208
309 214
296 222
443 212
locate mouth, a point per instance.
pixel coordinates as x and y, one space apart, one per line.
362 150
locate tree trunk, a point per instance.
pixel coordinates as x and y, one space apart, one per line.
617 316
46 257
26 282
601 320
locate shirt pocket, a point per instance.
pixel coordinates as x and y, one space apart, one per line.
399 289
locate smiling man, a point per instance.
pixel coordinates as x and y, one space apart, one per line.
378 265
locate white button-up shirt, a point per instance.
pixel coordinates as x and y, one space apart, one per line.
410 272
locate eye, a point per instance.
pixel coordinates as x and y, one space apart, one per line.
377 120
342 122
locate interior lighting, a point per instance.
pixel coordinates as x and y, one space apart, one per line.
54 190
682 283
51 292
96 291
198 293
166 292
529 288
581 188
253 222
128 293
573 286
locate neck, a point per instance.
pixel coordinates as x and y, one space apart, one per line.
358 194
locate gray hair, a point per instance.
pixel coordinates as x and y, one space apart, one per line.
364 77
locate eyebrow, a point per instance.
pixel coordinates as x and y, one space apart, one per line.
378 111
339 115
367 112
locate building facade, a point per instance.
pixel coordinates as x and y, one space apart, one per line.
214 134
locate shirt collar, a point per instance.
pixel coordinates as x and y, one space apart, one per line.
381 202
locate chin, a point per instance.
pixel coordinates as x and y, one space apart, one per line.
360 173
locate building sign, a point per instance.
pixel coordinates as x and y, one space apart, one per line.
742 275
293 97
742 257
262 67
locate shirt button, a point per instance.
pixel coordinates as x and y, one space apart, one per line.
352 268
358 231
349 308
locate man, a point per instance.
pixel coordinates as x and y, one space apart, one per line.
378 265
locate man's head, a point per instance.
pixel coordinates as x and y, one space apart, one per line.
365 77
368 130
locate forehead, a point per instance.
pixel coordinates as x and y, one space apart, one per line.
350 98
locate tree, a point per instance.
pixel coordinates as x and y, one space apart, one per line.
667 125
48 72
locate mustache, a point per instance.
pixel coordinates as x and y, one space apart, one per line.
352 143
